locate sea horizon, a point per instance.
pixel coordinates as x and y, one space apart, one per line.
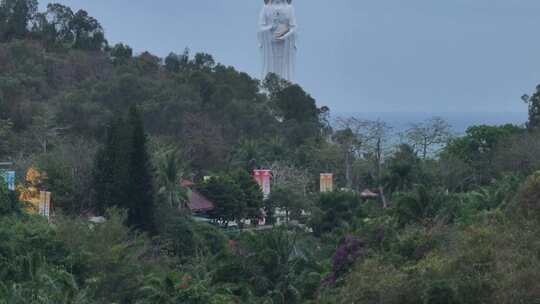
459 121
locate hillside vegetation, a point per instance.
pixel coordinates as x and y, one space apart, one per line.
446 219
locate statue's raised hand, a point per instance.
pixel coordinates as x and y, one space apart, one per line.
281 31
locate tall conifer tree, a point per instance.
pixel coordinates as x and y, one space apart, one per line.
140 190
123 175
111 168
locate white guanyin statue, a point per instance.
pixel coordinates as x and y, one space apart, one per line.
277 39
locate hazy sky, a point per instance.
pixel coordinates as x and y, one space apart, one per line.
359 55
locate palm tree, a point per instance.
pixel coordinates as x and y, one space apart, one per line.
157 290
46 283
169 177
246 154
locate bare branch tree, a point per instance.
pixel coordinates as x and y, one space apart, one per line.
351 137
428 137
364 139
290 177
377 145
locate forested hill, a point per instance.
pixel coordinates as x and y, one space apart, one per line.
61 79
123 142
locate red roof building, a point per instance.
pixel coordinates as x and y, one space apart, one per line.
198 203
368 194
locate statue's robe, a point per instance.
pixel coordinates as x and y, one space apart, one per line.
278 55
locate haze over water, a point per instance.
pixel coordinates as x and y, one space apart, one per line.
400 121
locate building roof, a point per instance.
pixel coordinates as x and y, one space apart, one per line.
368 194
197 201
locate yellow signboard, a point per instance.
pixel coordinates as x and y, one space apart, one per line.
39 202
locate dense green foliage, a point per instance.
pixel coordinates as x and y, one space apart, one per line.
8 201
445 220
123 176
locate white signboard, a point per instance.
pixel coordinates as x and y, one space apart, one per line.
9 177
45 204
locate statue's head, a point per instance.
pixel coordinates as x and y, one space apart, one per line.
277 1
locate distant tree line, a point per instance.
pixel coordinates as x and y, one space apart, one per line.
58 26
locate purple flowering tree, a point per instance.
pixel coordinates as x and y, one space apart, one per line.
350 249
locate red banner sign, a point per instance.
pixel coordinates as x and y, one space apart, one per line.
327 182
263 178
